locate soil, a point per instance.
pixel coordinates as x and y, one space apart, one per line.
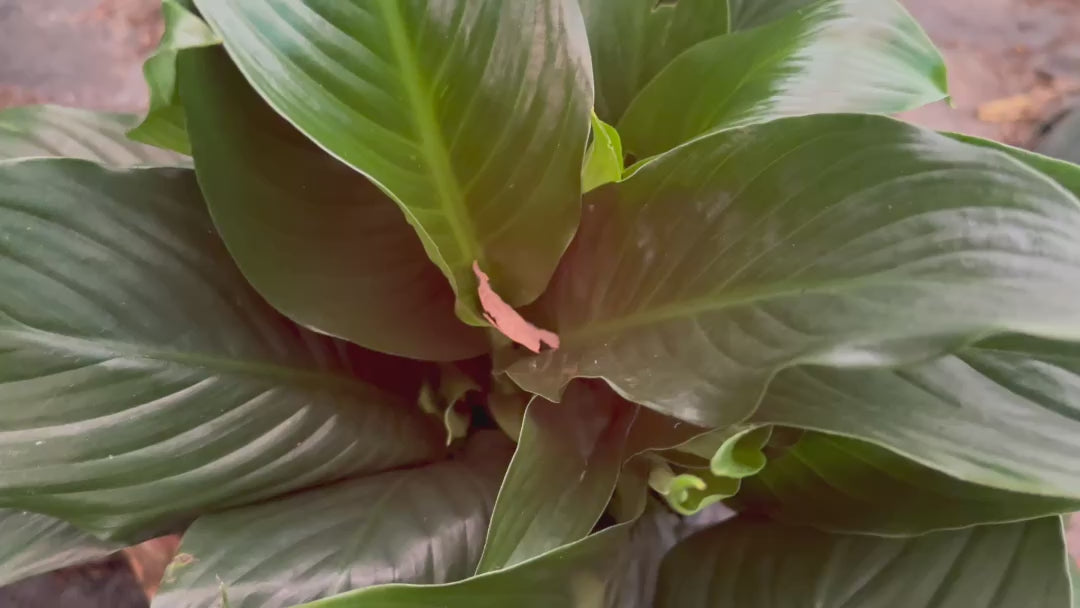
1014 71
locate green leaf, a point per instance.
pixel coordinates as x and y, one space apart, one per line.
317 239
596 571
473 116
632 40
1064 173
142 382
690 492
844 241
29 131
752 13
31 544
422 525
164 125
1004 413
604 157
746 564
846 485
832 56
708 468
561 477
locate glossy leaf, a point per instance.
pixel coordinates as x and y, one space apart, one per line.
142 382
600 570
1064 173
752 13
832 56
31 544
746 564
313 236
603 158
633 40
561 477
421 525
1004 413
164 125
473 116
845 241
30 131
847 485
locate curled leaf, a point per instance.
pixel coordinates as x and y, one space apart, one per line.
507 320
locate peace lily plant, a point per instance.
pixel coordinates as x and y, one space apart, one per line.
590 303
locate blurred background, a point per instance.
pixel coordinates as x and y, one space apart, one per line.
1014 71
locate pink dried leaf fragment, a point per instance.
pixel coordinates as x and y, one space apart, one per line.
507 320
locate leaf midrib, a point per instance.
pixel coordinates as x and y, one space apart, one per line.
432 145
256 369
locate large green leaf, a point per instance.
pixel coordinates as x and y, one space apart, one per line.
31 544
142 382
422 525
632 40
315 237
848 485
1003 413
752 13
847 241
1064 173
746 564
473 116
29 131
562 476
164 125
614 568
831 56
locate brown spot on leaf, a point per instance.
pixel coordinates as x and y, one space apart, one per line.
504 318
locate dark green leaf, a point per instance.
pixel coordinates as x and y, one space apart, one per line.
31 544
832 56
632 40
1064 173
752 13
423 525
142 382
744 564
561 478
1004 413
847 241
315 237
473 116
164 125
614 568
847 485
57 131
